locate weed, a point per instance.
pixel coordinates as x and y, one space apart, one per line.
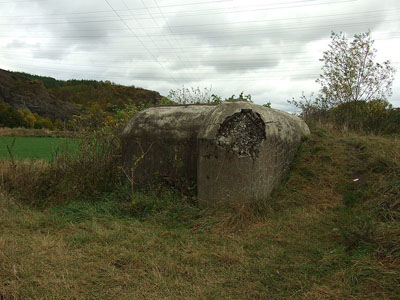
86 173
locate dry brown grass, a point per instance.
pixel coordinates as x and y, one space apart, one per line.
30 132
308 241
46 256
88 171
20 173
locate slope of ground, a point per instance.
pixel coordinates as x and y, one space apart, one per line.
23 93
330 232
104 93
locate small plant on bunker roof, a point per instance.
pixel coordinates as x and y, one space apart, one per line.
267 105
241 97
191 95
215 99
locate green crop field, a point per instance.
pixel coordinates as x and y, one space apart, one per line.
34 147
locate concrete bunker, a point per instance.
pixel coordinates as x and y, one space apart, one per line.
231 152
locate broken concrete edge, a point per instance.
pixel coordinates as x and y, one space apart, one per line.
273 118
233 133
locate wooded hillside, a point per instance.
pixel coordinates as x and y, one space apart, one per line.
35 101
90 92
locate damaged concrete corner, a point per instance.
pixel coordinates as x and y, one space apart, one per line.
231 152
242 133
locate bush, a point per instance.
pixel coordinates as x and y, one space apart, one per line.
12 118
86 173
9 117
376 116
90 172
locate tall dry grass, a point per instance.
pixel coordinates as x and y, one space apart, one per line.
88 172
21 176
320 236
30 132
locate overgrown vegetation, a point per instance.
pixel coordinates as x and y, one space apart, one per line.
201 96
93 94
331 231
12 118
376 116
88 172
353 88
67 105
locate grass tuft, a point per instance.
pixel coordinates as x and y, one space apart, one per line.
321 235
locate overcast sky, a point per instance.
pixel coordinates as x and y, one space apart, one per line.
267 48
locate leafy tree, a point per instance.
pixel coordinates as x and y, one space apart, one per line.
350 72
353 87
105 93
10 117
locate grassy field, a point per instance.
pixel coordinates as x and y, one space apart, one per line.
331 231
34 147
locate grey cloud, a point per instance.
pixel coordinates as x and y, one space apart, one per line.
240 52
53 54
231 60
303 26
16 44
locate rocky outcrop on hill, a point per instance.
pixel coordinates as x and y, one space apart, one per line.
24 93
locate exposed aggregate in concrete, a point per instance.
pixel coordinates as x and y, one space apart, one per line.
242 133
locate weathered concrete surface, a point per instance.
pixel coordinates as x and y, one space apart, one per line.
162 142
234 151
253 166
